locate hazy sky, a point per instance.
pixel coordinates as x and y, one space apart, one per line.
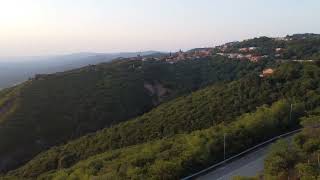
41 27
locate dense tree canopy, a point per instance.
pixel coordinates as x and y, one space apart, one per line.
182 154
52 109
221 103
132 119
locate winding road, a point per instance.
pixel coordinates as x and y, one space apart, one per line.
249 165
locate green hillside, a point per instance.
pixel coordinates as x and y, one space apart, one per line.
182 154
223 103
52 109
87 122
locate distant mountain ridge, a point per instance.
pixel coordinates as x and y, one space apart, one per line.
14 70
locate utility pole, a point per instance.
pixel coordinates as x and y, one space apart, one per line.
224 146
291 112
318 159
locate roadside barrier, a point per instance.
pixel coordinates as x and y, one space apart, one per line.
205 171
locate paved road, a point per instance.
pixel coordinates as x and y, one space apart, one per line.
249 165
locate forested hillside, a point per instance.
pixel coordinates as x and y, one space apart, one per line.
52 109
182 154
212 107
163 117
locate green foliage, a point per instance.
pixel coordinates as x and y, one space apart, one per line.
169 121
298 159
280 160
200 110
307 171
303 49
53 109
180 155
168 142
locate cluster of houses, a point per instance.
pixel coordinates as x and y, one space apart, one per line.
246 53
239 56
283 39
194 54
247 49
179 56
226 50
242 53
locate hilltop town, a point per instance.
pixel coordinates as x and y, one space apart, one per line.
253 50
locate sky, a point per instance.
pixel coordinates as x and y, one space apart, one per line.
50 27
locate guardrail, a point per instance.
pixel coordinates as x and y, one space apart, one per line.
202 172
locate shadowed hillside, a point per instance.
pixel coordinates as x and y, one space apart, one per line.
52 109
202 109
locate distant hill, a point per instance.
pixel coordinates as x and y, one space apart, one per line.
14 70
